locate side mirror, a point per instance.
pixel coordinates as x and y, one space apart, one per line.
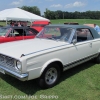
74 41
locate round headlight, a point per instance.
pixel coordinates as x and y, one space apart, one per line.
18 65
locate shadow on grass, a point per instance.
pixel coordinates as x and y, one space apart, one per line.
75 70
31 87
28 87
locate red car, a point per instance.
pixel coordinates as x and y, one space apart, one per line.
10 33
39 25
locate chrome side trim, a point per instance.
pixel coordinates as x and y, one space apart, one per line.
22 77
66 67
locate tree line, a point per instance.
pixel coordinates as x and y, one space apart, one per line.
63 14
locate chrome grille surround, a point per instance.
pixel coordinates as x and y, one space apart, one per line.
8 62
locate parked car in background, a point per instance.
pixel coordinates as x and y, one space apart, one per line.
16 33
90 25
71 23
58 48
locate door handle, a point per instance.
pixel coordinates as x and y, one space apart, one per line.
90 44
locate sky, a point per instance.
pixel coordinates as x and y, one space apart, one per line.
54 5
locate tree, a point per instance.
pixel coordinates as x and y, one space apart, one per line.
63 14
48 14
33 9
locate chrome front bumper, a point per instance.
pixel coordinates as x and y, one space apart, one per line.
22 77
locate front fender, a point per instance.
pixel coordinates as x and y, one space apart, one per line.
99 51
49 62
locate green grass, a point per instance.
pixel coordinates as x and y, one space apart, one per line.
62 21
79 83
2 23
80 21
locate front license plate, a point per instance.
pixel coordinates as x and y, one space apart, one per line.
2 71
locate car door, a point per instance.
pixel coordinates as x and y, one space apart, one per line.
83 48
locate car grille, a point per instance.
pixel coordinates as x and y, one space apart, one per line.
6 61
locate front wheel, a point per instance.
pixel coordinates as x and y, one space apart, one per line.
98 59
50 76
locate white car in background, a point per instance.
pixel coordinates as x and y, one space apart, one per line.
55 49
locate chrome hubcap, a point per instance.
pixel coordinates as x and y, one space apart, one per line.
51 76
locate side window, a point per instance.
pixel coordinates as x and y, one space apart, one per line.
29 32
15 33
83 35
18 32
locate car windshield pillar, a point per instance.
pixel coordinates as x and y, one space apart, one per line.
4 31
72 36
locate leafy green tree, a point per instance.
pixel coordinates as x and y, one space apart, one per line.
47 14
33 9
63 14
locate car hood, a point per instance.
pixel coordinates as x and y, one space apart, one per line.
32 46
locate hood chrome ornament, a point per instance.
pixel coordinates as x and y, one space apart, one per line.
22 55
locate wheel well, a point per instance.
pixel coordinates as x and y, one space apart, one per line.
59 64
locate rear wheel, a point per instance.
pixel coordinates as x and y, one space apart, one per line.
50 76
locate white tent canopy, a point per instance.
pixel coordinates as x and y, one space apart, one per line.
18 14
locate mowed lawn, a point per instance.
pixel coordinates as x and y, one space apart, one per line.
79 83
80 21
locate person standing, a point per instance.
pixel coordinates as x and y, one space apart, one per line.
97 28
19 25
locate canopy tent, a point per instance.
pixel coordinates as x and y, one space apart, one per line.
18 14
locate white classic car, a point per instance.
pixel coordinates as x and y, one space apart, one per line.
55 49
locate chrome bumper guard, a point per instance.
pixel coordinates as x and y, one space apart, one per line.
22 77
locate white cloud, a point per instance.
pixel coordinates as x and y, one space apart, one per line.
75 4
56 5
16 3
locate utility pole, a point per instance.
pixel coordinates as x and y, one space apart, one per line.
63 15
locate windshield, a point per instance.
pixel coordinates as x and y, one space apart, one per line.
55 33
4 31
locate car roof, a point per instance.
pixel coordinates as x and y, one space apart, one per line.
93 31
67 25
22 27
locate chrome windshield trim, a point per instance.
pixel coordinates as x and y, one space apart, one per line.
19 76
71 37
